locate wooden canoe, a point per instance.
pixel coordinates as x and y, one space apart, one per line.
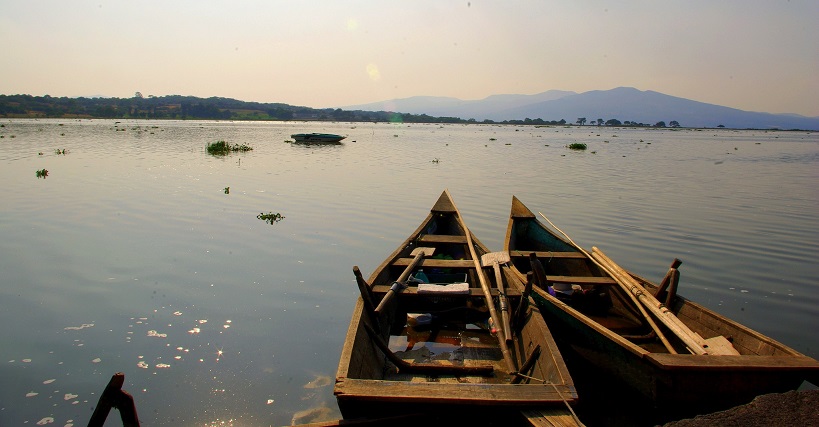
616 339
368 384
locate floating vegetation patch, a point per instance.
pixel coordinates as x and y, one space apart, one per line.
42 173
63 151
577 146
221 148
271 218
227 190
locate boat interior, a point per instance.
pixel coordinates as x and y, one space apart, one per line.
451 329
598 297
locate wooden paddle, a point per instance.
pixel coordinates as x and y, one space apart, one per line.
400 283
487 293
495 259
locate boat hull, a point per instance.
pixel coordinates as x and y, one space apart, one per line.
368 386
678 381
317 138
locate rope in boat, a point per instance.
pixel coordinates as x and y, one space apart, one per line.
565 402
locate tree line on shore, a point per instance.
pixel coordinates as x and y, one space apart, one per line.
178 107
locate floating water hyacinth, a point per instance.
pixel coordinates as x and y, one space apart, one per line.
221 148
271 218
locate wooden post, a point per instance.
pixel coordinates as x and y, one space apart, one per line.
366 295
518 320
672 289
539 273
666 280
115 397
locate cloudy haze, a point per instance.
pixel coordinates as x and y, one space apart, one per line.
752 55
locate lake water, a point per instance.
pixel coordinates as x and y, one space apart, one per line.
130 256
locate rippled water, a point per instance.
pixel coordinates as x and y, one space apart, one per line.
131 257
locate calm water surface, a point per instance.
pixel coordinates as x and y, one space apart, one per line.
131 257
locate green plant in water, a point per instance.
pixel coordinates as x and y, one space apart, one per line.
227 190
577 146
221 148
58 151
271 218
42 173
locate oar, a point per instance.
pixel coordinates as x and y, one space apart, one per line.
669 319
400 283
495 259
487 294
633 297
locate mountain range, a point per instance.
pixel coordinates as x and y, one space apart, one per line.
623 104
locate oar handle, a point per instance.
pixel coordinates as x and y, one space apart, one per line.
400 284
502 302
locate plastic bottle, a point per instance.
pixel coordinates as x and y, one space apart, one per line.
421 276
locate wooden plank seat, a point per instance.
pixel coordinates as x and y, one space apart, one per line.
436 263
442 238
475 292
581 280
546 254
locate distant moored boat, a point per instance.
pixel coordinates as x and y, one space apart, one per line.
317 138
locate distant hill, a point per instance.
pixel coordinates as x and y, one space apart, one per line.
627 105
439 106
623 104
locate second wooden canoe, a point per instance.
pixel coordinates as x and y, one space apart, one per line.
611 335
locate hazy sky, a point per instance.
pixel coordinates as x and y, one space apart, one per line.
757 55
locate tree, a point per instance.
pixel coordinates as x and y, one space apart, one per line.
613 122
581 121
599 122
660 124
674 124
